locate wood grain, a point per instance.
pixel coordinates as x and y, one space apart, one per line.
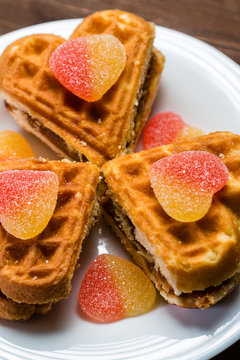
216 22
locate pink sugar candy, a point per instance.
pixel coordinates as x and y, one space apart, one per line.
89 66
98 296
201 169
162 129
27 201
185 183
114 288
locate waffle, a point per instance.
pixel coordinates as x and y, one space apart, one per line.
38 271
72 127
11 310
192 264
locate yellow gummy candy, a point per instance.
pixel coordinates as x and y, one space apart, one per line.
14 145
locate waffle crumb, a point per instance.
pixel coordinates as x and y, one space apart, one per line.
78 195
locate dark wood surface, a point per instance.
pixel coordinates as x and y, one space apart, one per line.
216 22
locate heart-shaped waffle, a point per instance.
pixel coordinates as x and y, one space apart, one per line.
39 270
98 131
193 264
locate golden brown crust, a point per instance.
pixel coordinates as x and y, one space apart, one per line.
192 256
10 310
39 270
149 93
99 130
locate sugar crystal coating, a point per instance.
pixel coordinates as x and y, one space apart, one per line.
185 183
191 131
89 66
13 145
27 201
162 129
165 128
114 288
137 291
98 297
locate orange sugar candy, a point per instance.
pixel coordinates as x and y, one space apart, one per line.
89 66
185 183
13 145
114 288
165 128
27 201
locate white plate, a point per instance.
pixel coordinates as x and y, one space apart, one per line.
203 86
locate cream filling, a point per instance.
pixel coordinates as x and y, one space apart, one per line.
35 127
135 234
93 217
158 263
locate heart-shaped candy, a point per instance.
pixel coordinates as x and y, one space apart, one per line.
89 66
185 183
27 201
114 288
165 128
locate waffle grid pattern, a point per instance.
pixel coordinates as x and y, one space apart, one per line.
196 255
39 270
98 130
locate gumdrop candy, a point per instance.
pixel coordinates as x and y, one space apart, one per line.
14 146
185 183
114 288
162 129
27 201
190 132
89 66
165 128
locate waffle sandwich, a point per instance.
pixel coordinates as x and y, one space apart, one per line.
11 310
72 127
37 272
192 264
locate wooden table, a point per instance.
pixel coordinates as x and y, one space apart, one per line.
216 22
